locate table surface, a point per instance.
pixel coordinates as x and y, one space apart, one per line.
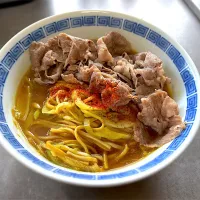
181 179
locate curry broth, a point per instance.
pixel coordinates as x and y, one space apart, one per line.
39 95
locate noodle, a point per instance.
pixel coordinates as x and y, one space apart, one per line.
105 160
123 153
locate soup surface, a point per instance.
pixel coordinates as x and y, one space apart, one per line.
95 105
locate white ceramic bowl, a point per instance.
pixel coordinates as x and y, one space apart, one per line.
14 62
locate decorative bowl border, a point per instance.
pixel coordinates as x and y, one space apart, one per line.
91 19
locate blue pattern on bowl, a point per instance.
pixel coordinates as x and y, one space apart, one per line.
17 50
76 22
89 20
26 41
63 24
129 25
50 28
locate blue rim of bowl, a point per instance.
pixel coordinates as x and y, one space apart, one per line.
90 19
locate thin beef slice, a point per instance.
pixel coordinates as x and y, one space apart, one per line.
160 113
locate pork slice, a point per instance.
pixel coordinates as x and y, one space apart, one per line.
158 111
148 74
47 61
49 76
147 59
123 67
81 50
103 53
97 82
117 44
85 72
73 68
57 52
116 96
70 78
113 44
65 42
114 93
142 135
143 90
37 51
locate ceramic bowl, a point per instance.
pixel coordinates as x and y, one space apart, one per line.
14 62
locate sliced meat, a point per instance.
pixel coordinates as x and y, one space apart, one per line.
71 69
143 90
114 93
142 135
49 76
85 72
65 42
57 51
81 50
146 74
123 67
113 44
103 53
157 111
125 56
37 51
117 44
77 49
115 96
147 59
118 76
47 61
62 49
69 78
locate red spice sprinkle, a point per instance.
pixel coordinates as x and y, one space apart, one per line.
96 100
55 89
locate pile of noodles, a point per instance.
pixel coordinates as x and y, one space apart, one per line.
82 134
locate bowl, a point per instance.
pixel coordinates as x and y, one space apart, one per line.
14 62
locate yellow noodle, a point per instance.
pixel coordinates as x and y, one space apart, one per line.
64 106
116 146
123 153
105 160
96 141
70 141
79 138
91 148
83 158
35 138
62 130
71 119
69 123
78 165
96 117
50 137
27 105
98 156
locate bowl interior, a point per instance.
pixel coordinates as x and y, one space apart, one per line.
14 62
